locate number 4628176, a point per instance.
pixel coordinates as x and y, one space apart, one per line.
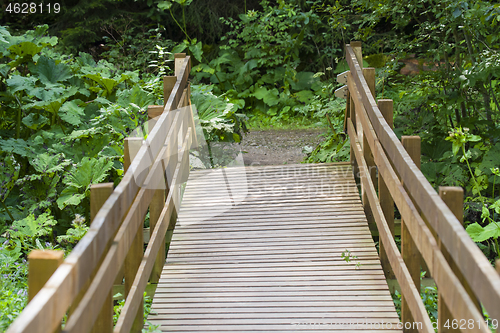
32 8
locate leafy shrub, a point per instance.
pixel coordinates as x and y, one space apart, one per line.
259 63
218 115
64 122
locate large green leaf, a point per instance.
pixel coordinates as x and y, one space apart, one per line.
18 82
71 112
35 121
86 59
47 163
70 196
9 172
303 80
270 97
16 146
136 96
24 52
31 227
106 83
49 72
475 230
89 171
304 95
53 99
196 50
480 234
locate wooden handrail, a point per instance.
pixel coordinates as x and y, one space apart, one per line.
416 197
122 214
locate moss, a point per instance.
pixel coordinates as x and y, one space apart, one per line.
377 60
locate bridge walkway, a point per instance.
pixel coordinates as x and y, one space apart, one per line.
272 249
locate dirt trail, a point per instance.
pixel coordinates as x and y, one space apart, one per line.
278 147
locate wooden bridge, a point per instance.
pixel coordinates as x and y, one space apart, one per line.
267 249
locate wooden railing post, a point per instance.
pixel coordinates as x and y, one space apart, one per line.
41 265
131 147
453 197
155 208
99 193
386 202
178 61
409 250
136 251
356 46
369 74
168 86
154 111
132 262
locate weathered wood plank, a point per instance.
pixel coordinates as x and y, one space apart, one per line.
277 256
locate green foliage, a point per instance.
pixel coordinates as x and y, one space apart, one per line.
348 257
148 301
31 228
75 233
135 48
80 177
63 123
480 161
218 115
13 284
334 149
9 173
429 297
258 63
68 117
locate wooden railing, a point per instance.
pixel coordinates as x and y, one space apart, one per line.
431 223
112 251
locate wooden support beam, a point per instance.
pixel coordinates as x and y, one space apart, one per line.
356 47
347 110
384 196
41 265
154 111
414 302
131 265
178 61
453 197
155 209
99 193
134 256
369 74
131 147
352 114
409 249
168 86
191 118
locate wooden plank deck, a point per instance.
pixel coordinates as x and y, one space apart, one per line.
258 249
